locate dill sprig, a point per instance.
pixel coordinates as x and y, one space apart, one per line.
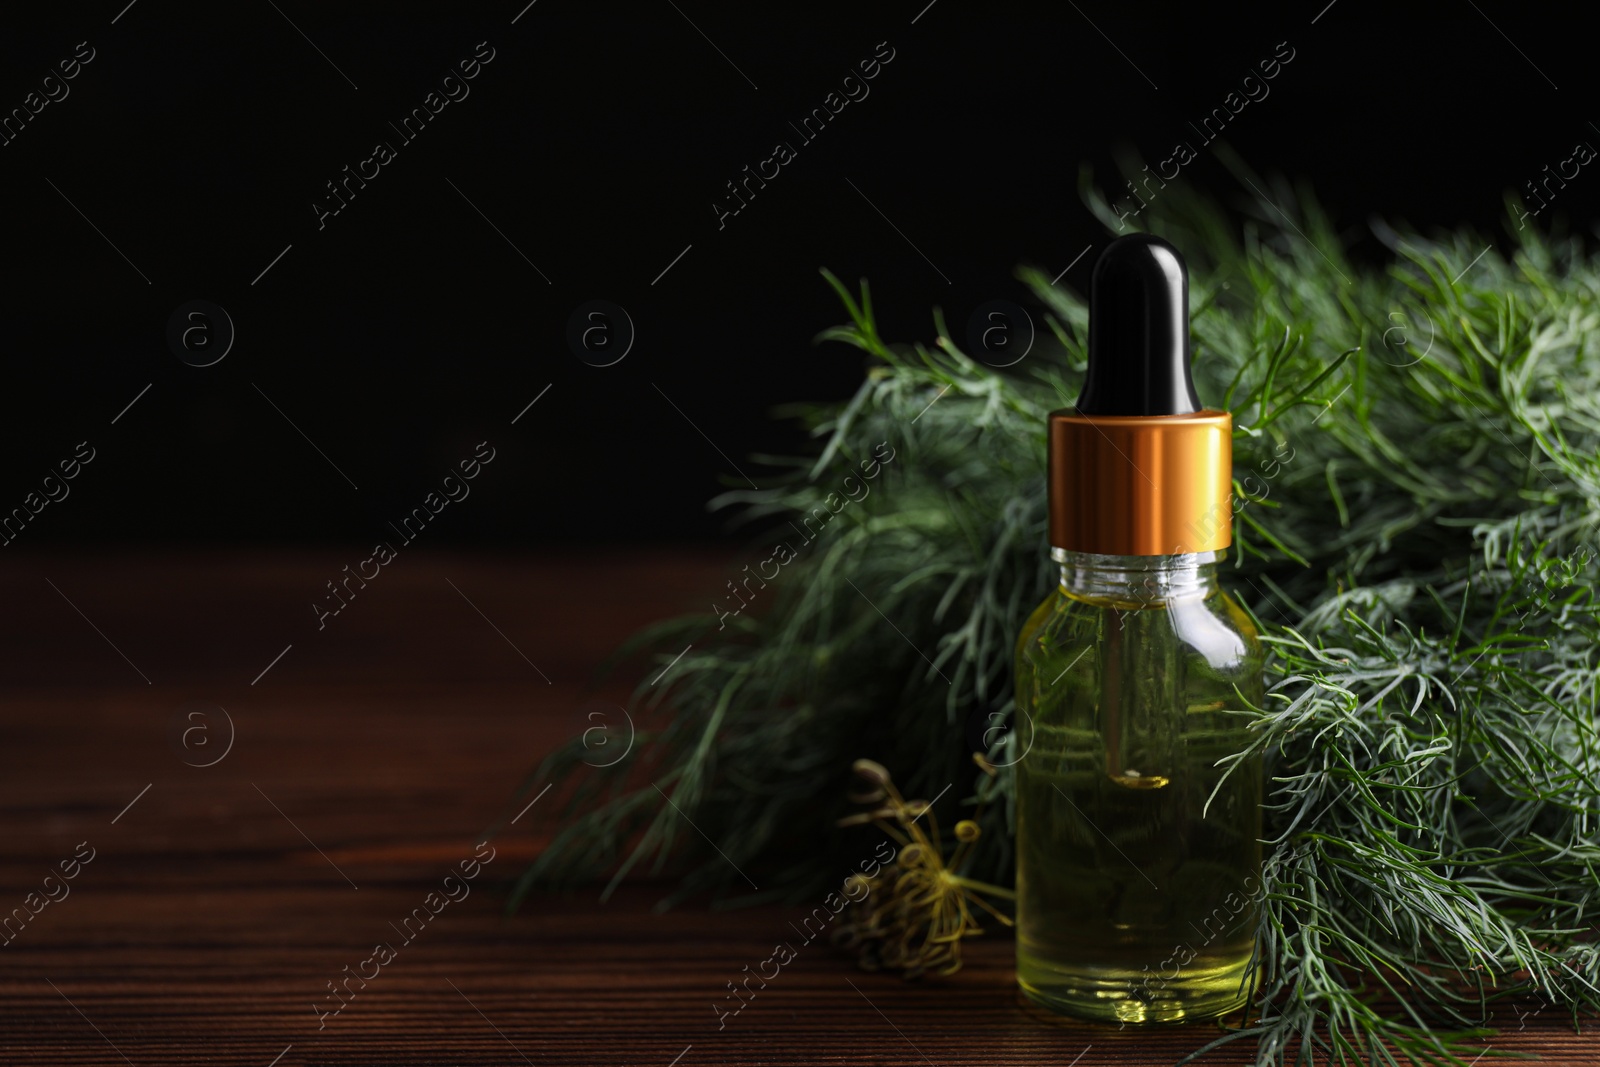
1417 462
919 908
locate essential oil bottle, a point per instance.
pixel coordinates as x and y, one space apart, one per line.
1138 874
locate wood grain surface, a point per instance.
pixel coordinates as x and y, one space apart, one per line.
221 901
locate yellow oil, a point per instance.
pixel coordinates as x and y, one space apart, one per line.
1135 901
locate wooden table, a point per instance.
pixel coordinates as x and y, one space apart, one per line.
367 758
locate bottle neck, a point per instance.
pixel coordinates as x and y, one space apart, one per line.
1138 580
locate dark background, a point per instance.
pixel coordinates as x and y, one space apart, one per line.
408 329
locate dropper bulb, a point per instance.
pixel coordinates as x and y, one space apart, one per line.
1139 332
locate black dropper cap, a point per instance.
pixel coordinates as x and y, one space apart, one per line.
1139 332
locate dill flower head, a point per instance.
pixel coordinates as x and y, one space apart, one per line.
918 909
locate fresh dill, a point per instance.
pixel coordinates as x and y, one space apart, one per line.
1417 460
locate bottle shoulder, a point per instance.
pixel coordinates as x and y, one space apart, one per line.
1213 627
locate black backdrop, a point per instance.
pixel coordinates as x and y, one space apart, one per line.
183 160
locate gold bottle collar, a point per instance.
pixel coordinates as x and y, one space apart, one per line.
1141 485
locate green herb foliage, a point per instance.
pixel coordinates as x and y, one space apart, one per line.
1417 460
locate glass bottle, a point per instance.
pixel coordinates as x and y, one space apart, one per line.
1138 879
1138 812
